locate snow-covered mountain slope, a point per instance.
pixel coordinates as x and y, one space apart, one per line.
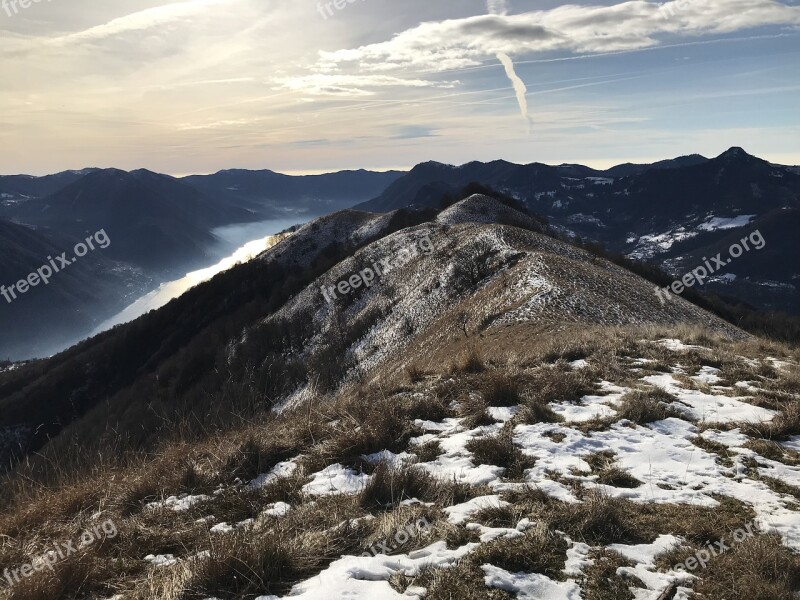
462 270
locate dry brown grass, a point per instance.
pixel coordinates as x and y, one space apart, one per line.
500 450
601 581
785 424
760 568
643 407
524 369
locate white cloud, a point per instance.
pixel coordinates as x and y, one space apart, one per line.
352 85
158 16
458 43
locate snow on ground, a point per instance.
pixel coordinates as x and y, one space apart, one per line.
179 503
661 455
459 513
715 223
336 479
283 469
591 407
531 586
713 408
161 560
708 375
367 577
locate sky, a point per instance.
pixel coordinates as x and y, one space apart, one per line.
196 86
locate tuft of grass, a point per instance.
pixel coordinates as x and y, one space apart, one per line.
428 452
760 568
602 465
723 456
500 450
81 575
252 459
560 383
474 413
415 374
472 363
598 520
646 407
391 485
601 580
537 412
538 551
501 390
784 425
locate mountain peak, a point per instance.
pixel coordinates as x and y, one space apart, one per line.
735 152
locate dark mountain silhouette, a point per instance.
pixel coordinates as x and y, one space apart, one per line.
650 212
154 221
14 188
46 317
270 194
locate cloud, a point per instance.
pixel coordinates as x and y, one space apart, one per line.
139 21
322 84
458 43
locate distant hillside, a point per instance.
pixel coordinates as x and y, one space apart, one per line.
15 189
46 317
270 193
649 212
154 221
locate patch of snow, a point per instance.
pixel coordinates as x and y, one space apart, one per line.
530 586
283 469
502 413
715 223
390 458
336 479
459 513
367 577
708 375
161 560
709 407
179 503
278 509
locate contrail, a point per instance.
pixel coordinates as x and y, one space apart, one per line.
519 87
499 7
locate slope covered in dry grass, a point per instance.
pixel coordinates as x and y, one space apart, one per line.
587 464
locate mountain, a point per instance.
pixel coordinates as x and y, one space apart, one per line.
52 314
173 218
158 227
425 403
481 247
663 213
271 193
627 169
15 189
